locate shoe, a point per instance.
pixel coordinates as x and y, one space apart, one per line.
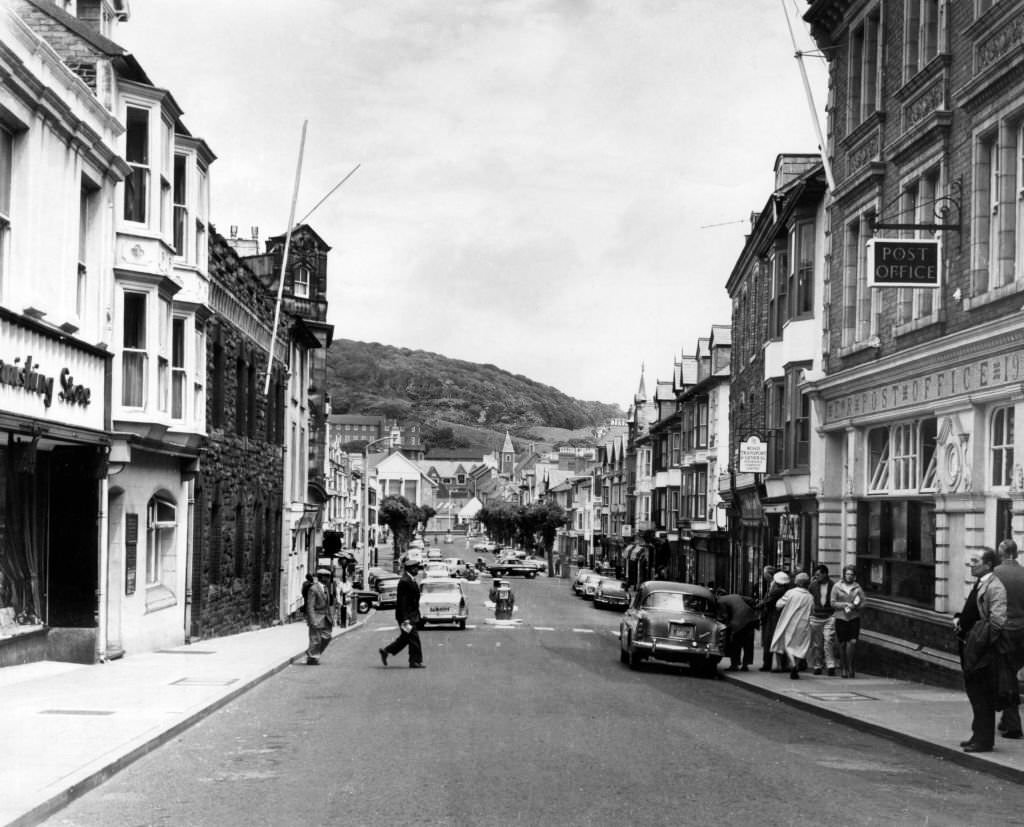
831 672
383 656
312 661
795 674
744 668
417 666
732 669
972 747
817 671
765 669
966 743
1013 735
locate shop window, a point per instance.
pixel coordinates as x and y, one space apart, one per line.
1002 447
896 549
902 458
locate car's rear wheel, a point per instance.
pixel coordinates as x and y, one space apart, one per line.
363 605
530 575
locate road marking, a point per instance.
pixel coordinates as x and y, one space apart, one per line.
544 628
584 631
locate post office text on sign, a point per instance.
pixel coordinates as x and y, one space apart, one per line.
904 262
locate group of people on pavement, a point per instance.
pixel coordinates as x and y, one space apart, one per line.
804 621
990 633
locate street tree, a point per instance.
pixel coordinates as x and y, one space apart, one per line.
542 520
401 517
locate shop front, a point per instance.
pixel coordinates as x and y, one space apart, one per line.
53 451
928 439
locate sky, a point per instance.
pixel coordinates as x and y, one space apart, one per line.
557 187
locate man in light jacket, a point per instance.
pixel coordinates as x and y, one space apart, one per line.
1011 575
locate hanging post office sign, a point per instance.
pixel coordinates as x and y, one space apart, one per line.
904 262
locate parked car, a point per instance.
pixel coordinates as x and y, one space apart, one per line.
588 586
508 566
456 566
488 546
385 584
611 593
577 583
443 601
674 622
434 555
435 570
537 562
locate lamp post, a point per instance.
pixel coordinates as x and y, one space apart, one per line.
364 517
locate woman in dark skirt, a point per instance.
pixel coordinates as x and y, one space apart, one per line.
847 600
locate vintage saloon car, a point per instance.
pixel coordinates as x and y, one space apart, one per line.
673 622
443 601
508 566
611 594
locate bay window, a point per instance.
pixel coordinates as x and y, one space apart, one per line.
896 549
136 184
134 357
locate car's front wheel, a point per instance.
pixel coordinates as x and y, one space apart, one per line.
530 575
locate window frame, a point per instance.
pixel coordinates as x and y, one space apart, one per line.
1000 446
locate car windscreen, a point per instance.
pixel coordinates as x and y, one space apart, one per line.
451 589
677 602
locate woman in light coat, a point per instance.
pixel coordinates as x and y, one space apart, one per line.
793 631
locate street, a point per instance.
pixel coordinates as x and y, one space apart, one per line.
534 722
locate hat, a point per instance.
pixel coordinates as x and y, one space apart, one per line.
780 578
323 572
412 563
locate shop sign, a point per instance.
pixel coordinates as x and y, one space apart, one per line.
27 376
753 456
986 373
903 262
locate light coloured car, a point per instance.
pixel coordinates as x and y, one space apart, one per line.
443 601
577 583
611 593
456 566
436 570
588 587
675 622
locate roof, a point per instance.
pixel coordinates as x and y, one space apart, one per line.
673 586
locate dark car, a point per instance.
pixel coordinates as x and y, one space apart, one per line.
611 594
512 565
385 584
674 622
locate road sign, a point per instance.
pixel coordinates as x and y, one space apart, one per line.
753 456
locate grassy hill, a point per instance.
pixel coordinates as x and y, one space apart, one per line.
458 403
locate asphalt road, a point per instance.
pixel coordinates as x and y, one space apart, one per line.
534 724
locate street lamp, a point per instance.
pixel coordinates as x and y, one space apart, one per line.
364 518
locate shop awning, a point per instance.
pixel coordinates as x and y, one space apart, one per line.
634 552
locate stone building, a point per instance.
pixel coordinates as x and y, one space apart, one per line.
924 363
236 562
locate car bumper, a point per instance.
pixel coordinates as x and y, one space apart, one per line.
675 650
444 617
611 602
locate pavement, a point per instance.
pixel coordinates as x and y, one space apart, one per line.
69 727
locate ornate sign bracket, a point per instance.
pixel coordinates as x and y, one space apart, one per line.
947 211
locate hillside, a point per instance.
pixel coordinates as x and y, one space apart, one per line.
459 403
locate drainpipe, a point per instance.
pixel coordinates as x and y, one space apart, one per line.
103 535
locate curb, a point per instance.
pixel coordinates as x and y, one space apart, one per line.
57 802
929 747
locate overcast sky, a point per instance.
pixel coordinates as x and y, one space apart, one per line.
537 177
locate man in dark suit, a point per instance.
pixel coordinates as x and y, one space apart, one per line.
737 612
979 628
1011 574
407 613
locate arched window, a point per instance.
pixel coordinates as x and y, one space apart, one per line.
1002 446
161 560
